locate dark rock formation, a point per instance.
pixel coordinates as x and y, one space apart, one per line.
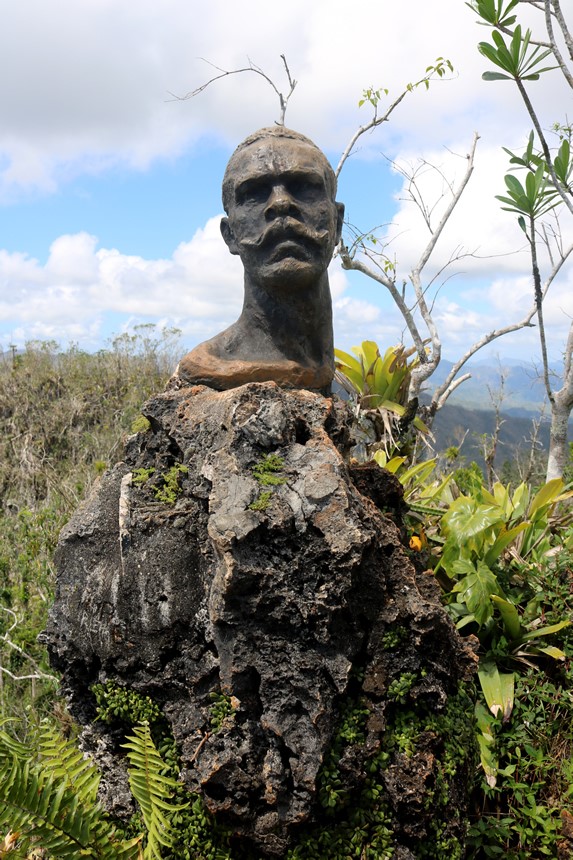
231 553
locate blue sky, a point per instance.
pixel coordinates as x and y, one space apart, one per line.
110 189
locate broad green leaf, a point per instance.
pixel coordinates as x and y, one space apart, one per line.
503 54
495 76
464 621
421 472
355 377
504 539
476 589
348 360
545 495
515 46
510 616
390 465
552 651
392 406
490 53
369 349
486 743
520 500
467 518
545 631
501 496
498 689
514 186
419 425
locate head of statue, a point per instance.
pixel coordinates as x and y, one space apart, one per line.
282 216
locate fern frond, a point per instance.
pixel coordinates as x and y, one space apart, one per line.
152 790
54 806
65 761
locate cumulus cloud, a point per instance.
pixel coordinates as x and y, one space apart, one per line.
198 289
79 283
89 83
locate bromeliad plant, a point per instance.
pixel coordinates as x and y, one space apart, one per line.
378 385
481 531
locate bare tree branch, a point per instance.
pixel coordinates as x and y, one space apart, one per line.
427 365
444 390
38 674
566 36
283 99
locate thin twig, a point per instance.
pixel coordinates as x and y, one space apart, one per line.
283 100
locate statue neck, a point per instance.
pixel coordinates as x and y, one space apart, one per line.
294 325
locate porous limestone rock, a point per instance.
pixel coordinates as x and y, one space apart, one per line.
231 552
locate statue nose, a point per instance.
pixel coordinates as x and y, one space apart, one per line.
280 202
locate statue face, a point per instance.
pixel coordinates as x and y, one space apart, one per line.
282 219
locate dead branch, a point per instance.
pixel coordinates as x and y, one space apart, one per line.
283 99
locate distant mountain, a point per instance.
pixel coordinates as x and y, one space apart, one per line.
469 412
462 427
524 392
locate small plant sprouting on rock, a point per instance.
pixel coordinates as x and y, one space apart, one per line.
115 703
265 471
393 638
400 687
170 490
167 490
261 503
141 476
221 708
140 425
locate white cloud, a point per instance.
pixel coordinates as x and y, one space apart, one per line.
89 83
198 289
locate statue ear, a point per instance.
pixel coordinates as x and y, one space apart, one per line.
227 235
339 221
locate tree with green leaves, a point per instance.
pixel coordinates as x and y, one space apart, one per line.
547 184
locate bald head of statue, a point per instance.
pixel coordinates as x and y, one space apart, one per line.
283 221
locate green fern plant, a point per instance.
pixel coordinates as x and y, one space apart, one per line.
48 797
152 790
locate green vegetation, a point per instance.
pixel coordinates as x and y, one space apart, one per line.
267 473
379 385
359 822
267 470
261 503
166 486
221 710
170 488
504 560
49 800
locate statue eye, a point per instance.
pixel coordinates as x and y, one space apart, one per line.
305 187
252 192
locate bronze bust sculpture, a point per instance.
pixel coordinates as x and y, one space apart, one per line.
284 223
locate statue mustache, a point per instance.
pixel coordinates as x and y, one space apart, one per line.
285 229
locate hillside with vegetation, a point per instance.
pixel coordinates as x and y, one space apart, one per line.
501 550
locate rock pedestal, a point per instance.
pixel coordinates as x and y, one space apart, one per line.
232 559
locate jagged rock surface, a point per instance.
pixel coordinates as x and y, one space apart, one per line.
283 608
